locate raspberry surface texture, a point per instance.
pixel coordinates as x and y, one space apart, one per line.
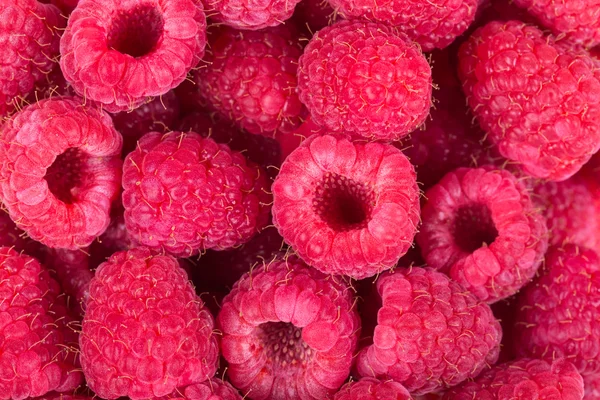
431 333
347 208
524 379
372 389
250 15
365 79
537 101
60 170
119 54
184 193
480 227
145 331
213 389
289 332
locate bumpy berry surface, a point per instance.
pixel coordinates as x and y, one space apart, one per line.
372 389
289 332
145 332
347 208
365 79
213 389
250 15
431 334
538 101
481 228
120 53
524 379
184 193
60 170
251 78
558 314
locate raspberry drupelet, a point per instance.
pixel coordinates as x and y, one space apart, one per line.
365 79
213 389
121 53
372 389
347 208
289 332
250 15
60 171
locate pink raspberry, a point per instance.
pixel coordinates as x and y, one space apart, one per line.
372 389
289 332
250 15
37 353
481 228
251 79
365 79
213 389
121 53
347 208
524 379
61 396
145 332
60 170
558 314
537 101
183 193
431 334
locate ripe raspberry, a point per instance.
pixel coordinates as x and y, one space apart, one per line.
347 208
120 53
60 170
365 79
592 388
251 79
524 379
557 315
537 101
37 354
183 193
15 238
432 24
115 238
289 332
213 389
289 142
61 396
249 15
145 332
372 389
431 333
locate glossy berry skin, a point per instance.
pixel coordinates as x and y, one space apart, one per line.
366 80
247 15
372 389
145 332
537 100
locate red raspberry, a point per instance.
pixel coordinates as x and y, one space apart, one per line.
250 15
524 379
347 208
15 238
592 388
60 170
213 389
145 332
558 314
37 354
537 101
430 333
481 228
289 142
120 53
289 332
61 396
372 389
183 193
365 79
251 79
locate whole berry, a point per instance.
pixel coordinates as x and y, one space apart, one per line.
372 389
121 53
365 79
249 15
212 389
145 332
183 193
60 171
480 227
431 334
536 100
347 208
289 332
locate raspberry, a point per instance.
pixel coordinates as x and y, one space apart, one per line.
347 208
183 193
524 379
372 389
537 101
36 353
210 390
120 53
289 332
15 238
59 171
557 315
145 332
430 333
313 15
290 141
432 24
249 15
251 79
365 79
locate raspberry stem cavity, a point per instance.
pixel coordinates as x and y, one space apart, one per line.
473 227
283 344
136 31
67 174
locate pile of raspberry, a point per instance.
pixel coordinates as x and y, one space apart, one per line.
300 200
